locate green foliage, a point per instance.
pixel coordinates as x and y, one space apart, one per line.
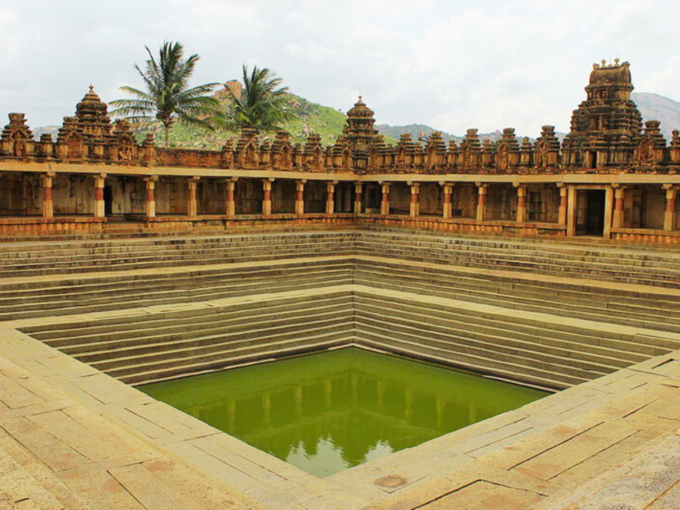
262 104
168 98
306 118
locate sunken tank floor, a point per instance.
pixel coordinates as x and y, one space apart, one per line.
84 321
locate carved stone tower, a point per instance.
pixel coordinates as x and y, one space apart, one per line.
606 126
92 115
360 131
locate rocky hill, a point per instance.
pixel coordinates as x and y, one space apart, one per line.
656 107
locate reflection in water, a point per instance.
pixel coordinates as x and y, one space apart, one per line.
327 412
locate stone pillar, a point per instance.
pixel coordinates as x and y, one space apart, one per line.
385 203
267 200
571 212
669 216
150 198
358 188
562 213
608 212
330 197
231 197
521 203
415 199
192 205
48 204
300 197
481 202
448 202
617 218
99 205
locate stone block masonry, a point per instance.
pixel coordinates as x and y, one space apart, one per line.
80 317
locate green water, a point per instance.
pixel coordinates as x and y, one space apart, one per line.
331 411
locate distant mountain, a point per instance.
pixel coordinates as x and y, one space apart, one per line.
656 107
422 131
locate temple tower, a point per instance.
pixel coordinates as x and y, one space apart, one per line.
606 127
92 115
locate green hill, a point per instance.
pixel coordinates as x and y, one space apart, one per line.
308 118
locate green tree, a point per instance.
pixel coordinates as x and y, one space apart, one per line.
168 98
262 104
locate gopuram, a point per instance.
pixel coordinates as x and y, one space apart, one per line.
610 177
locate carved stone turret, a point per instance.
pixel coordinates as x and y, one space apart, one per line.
507 153
314 154
70 143
674 151
452 154
526 153
487 153
17 138
470 151
406 152
125 150
547 149
247 153
228 154
651 149
282 151
435 152
360 131
92 116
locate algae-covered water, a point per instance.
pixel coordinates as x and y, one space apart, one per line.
331 411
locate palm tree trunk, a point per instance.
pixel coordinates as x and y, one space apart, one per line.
166 128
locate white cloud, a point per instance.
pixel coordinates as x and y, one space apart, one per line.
450 64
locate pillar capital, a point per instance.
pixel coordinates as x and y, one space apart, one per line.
151 178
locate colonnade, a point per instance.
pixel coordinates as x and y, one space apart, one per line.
615 195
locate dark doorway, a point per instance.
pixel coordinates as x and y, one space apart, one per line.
373 198
594 218
108 200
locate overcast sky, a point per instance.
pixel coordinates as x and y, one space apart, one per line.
450 64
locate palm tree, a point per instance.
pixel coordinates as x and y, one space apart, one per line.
262 104
168 98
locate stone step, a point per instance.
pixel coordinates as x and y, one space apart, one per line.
537 342
234 314
192 285
487 349
479 364
614 342
589 307
189 366
482 258
119 351
181 296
